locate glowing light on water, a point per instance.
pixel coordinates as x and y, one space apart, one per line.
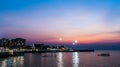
75 59
60 59
13 62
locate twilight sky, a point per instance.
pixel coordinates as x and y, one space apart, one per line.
87 21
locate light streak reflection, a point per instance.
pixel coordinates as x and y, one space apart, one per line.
60 60
75 59
13 62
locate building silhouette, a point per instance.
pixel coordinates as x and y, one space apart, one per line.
39 46
13 43
17 43
4 42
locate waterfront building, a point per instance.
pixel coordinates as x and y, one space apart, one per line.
17 43
4 42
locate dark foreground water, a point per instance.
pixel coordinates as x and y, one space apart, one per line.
66 59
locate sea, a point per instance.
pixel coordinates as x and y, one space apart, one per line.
64 59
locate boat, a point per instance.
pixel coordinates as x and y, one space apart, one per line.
104 54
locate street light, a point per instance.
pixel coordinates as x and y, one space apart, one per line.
75 42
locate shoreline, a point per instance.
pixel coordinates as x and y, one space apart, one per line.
21 53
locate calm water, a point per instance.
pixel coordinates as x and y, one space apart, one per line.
70 59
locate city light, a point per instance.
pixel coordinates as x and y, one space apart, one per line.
73 43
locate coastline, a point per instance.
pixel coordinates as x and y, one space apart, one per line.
20 53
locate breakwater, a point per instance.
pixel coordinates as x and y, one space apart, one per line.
20 53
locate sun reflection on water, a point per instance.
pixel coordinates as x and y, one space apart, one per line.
75 59
60 60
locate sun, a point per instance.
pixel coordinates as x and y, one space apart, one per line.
76 41
60 38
